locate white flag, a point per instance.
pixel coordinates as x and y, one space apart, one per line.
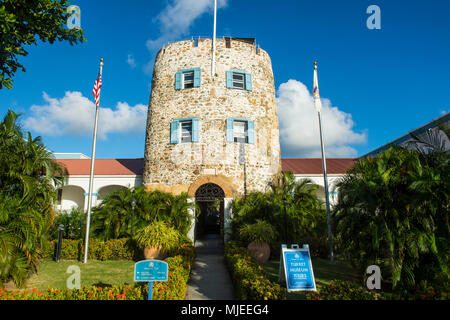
316 96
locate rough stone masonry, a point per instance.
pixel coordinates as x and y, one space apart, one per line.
184 167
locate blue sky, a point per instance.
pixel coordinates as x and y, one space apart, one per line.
376 84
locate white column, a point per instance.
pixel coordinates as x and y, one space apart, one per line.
191 210
86 198
227 218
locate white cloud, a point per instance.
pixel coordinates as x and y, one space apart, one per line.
130 60
299 126
74 115
177 17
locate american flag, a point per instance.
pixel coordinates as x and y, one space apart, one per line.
96 90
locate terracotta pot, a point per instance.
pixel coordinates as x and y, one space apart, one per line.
154 253
259 251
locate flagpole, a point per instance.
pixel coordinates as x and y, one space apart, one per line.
318 105
91 177
213 63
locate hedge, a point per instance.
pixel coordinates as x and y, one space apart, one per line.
179 267
85 293
116 249
344 290
250 280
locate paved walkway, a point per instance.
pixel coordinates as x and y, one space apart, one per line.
210 279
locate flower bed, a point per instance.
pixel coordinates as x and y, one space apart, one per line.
344 290
250 279
85 293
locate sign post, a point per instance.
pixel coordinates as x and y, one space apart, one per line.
296 266
149 271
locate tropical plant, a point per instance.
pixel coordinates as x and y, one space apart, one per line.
305 215
28 175
158 235
72 221
259 232
115 218
393 211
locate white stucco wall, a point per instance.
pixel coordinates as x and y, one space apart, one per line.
77 186
318 179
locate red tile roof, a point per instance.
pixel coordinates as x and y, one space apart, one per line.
104 166
136 166
314 165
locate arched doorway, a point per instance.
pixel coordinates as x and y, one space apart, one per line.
210 199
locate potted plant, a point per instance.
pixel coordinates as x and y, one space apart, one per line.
260 235
157 239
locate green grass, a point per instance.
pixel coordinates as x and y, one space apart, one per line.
99 273
324 273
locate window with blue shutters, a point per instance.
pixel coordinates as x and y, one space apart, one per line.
240 130
188 78
239 79
184 130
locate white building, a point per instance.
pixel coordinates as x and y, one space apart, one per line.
109 175
112 174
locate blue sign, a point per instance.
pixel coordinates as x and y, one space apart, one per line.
150 270
298 268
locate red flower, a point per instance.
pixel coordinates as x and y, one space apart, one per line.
35 290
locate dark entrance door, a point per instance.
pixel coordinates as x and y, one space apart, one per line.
209 198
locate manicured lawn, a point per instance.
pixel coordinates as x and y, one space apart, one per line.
99 273
324 273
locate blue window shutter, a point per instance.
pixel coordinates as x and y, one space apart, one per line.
230 137
229 79
197 77
178 81
251 131
248 82
195 130
174 131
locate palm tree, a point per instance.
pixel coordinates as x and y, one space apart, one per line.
386 214
113 217
28 176
304 211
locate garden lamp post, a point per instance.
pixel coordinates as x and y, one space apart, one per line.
285 219
133 205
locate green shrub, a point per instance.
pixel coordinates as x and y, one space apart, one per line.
250 280
259 232
73 222
85 293
439 290
344 290
159 235
116 249
179 270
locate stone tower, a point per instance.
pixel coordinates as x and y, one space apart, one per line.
212 136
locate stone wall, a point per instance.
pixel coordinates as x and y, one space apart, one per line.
175 167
